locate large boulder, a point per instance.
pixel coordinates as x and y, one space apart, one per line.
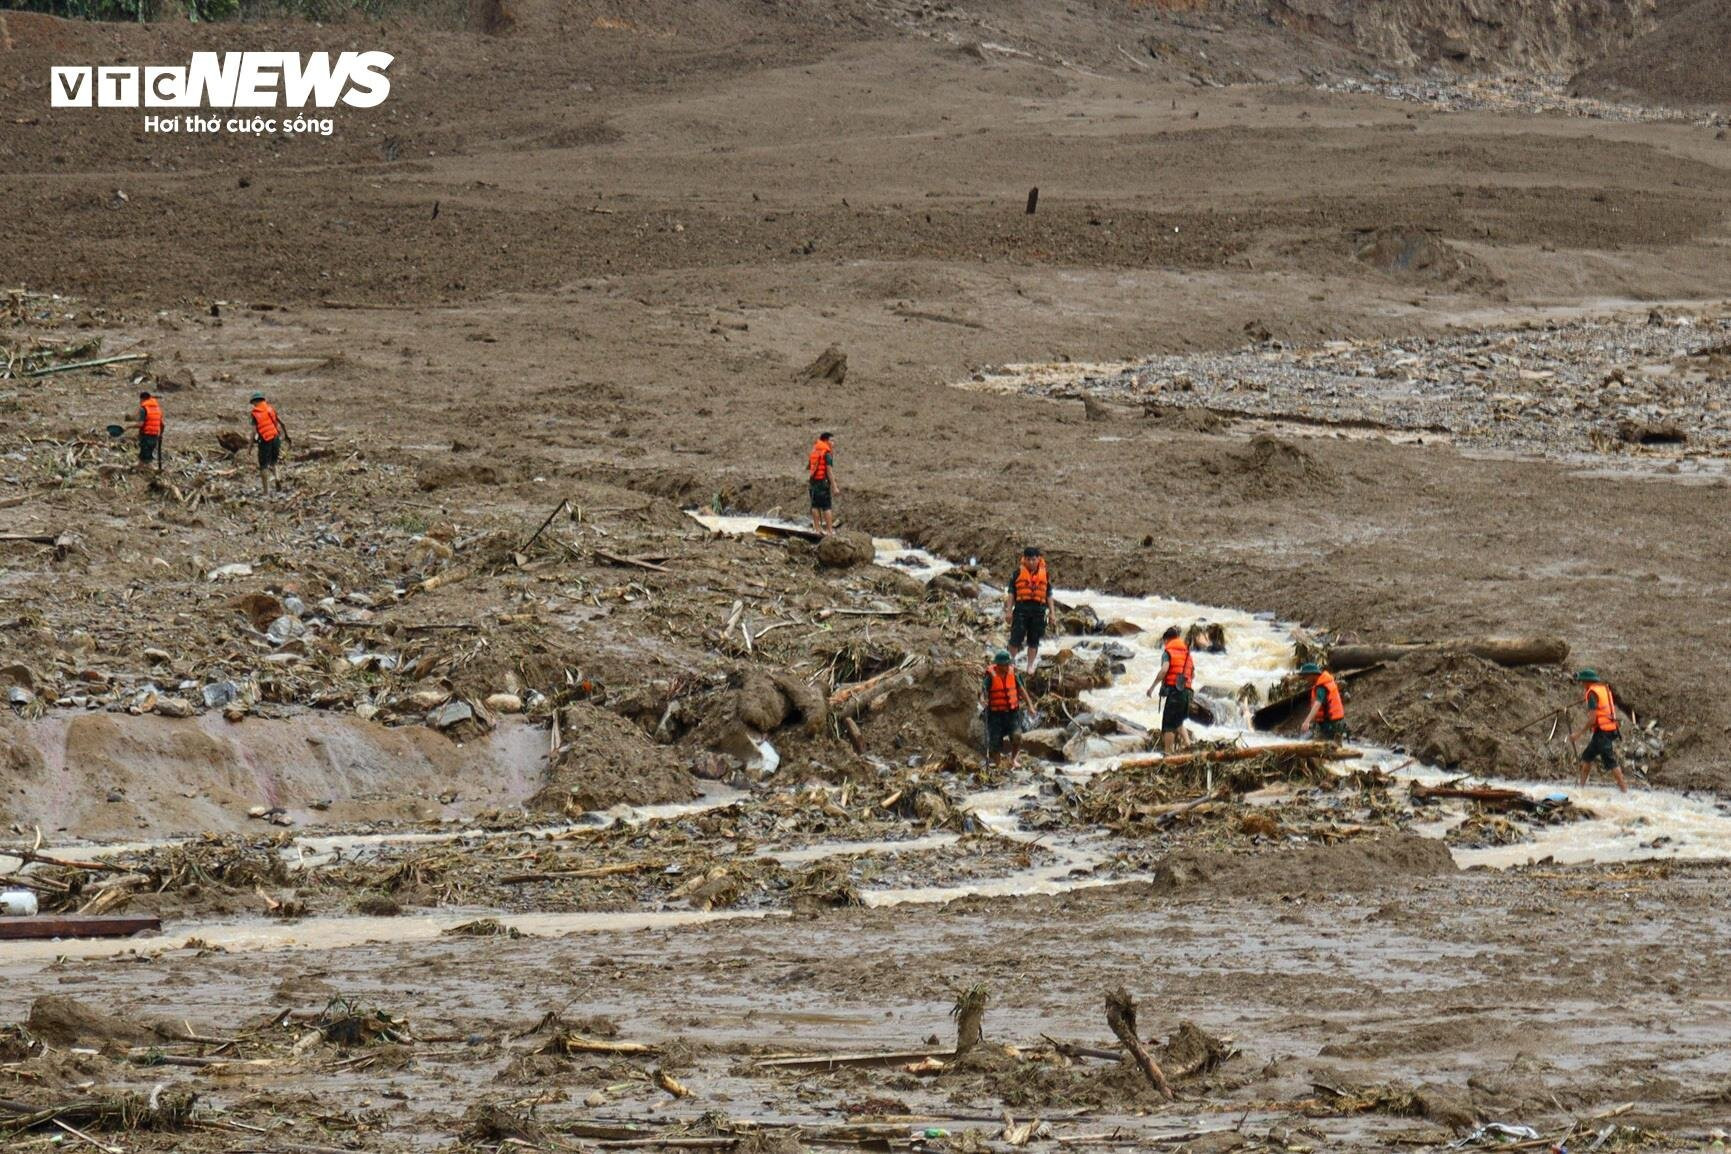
845 549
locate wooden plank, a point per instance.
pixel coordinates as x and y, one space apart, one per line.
783 532
635 562
837 1061
77 926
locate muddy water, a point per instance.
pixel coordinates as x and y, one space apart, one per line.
1641 825
1644 824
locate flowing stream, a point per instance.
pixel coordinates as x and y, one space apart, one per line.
1643 824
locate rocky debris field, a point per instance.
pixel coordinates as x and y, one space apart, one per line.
1618 388
1517 94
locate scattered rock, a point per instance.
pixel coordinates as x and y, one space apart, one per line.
219 693
1641 433
505 703
1047 743
285 629
831 366
1096 411
19 675
449 714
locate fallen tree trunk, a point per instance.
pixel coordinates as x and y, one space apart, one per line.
1503 651
1317 750
1293 706
1492 797
849 700
1121 1017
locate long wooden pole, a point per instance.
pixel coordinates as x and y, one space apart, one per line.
1316 750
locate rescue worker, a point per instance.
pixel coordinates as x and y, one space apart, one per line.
270 435
1025 605
1327 716
820 468
149 424
1602 724
1001 695
1177 683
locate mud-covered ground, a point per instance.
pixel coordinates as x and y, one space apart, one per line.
1350 1015
1413 353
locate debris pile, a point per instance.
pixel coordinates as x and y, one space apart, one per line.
1650 386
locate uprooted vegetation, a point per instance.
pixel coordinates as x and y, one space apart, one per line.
139 1077
721 857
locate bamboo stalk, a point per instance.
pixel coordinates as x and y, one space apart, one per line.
43 372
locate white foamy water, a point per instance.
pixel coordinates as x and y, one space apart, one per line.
1641 825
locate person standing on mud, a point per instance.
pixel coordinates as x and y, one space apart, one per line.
1025 604
820 468
1327 716
1177 682
149 424
1001 694
270 435
1602 724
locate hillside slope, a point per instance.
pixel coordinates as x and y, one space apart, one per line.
1681 62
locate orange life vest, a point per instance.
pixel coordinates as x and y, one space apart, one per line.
1333 708
264 420
1604 709
1031 584
1004 693
150 423
818 463
1179 664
